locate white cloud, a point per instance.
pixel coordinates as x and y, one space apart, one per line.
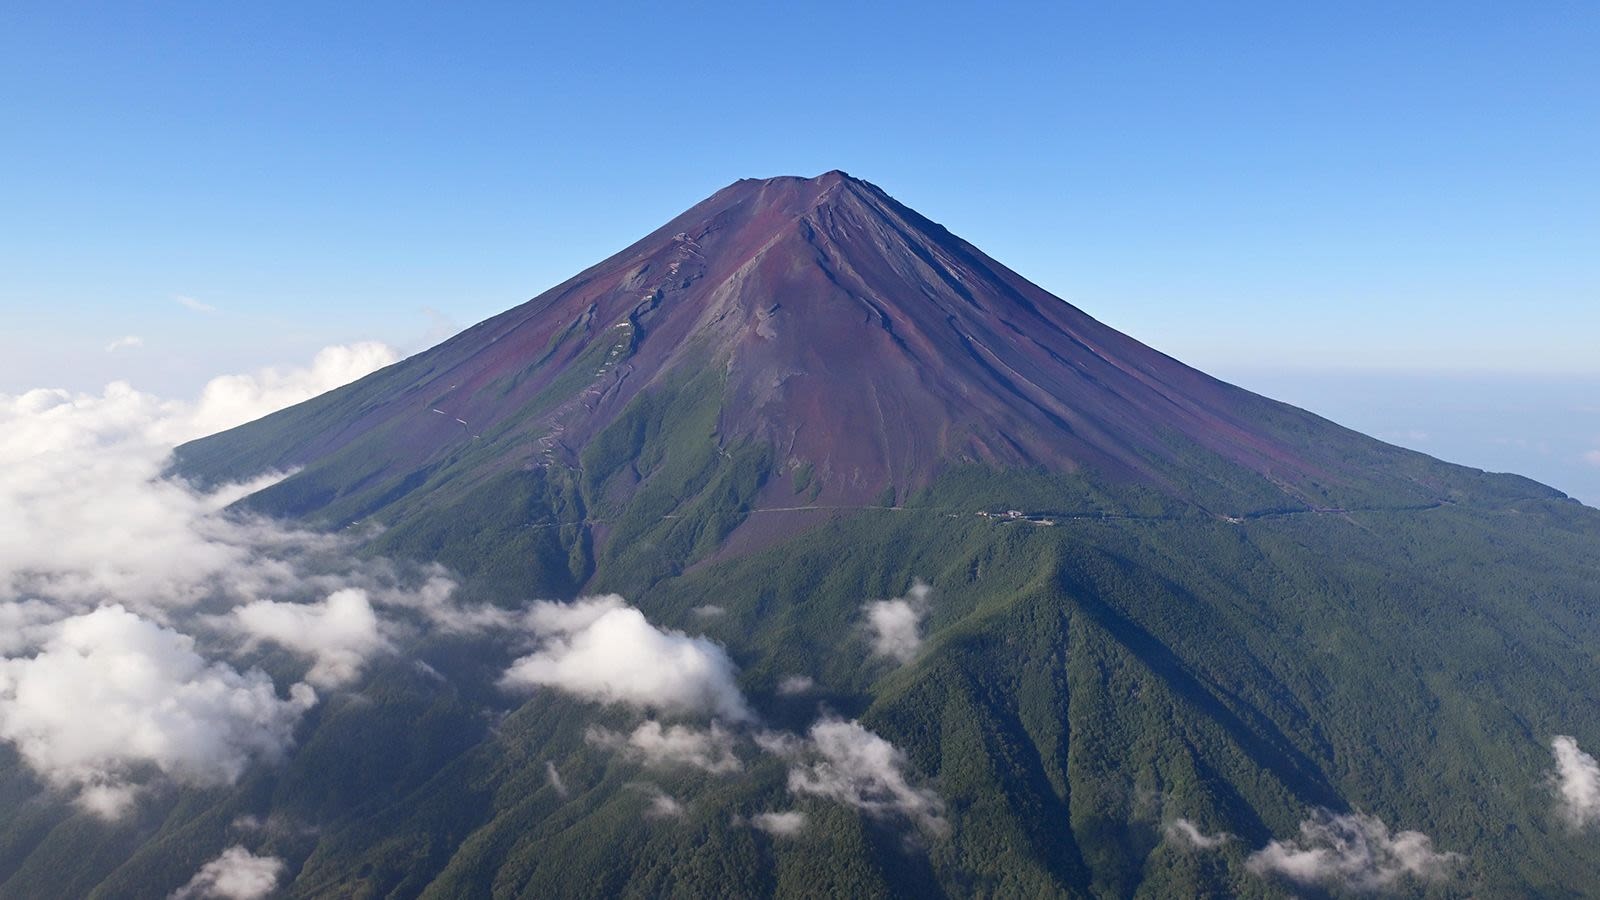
844 762
708 611
709 750
569 618
1578 782
86 516
230 400
795 685
1592 457
434 600
554 777
1352 851
780 824
896 624
237 874
1185 833
126 342
340 633
193 305
102 559
25 624
601 649
111 693
274 825
661 806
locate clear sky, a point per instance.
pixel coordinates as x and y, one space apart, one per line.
1252 187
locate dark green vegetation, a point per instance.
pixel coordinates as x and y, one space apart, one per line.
1083 684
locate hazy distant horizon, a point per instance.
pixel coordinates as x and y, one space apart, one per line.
1544 427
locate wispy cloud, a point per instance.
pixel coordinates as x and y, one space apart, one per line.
1592 457
193 305
896 625
846 763
126 342
1185 833
237 874
554 777
1352 851
339 634
1577 778
786 824
710 750
661 805
795 685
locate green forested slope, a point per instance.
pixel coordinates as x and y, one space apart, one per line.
1212 648
1083 684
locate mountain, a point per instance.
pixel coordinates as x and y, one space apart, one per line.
844 334
1166 621
846 350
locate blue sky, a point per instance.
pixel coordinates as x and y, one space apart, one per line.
1261 189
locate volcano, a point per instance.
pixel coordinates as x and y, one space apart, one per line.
857 345
997 600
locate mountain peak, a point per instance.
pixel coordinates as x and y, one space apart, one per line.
825 180
846 337
772 200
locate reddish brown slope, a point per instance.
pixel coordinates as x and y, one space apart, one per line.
857 337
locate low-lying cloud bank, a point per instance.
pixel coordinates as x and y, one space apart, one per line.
237 874
109 668
1354 852
111 692
86 515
